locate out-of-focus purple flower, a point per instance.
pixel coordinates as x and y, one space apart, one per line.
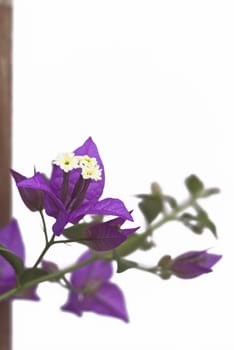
10 238
193 264
33 199
75 187
92 291
106 235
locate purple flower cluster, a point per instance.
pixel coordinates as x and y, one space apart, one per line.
90 286
72 192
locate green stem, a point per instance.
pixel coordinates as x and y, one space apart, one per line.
153 270
44 226
48 245
135 241
128 247
52 276
171 216
66 282
64 241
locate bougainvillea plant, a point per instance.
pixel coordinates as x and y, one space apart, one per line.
73 197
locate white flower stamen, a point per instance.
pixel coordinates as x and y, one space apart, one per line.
67 161
90 168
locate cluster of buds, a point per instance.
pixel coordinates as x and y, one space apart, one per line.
72 196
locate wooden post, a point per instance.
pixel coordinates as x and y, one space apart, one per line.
5 146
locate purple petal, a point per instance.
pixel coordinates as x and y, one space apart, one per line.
7 282
99 270
188 270
57 176
28 294
94 292
103 236
210 259
129 231
39 182
10 238
73 304
108 301
96 187
60 223
117 221
193 264
32 199
108 206
112 206
53 205
116 224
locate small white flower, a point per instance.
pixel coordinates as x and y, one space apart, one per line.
90 168
67 161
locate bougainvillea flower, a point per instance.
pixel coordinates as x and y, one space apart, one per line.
75 187
106 235
33 199
92 291
193 264
10 238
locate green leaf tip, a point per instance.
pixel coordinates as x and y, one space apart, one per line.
194 185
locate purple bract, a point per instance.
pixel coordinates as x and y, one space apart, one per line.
32 199
193 264
75 187
106 235
92 291
10 238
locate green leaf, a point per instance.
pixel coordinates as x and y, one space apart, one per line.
124 264
205 221
13 260
165 274
186 217
192 222
164 267
75 232
210 191
171 201
196 228
197 223
151 206
134 242
147 244
194 185
165 261
32 274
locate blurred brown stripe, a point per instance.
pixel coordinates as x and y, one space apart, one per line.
5 146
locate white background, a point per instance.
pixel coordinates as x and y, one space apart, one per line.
152 83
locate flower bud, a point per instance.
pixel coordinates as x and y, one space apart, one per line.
193 264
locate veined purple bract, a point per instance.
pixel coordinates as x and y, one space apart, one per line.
91 290
74 188
193 264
